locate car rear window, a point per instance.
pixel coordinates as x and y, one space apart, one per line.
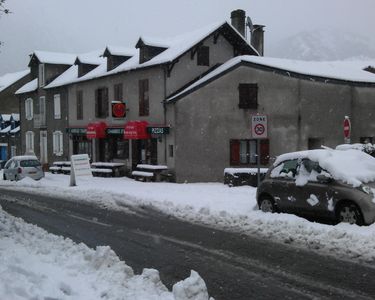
29 163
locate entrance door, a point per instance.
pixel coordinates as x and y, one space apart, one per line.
43 147
144 152
3 153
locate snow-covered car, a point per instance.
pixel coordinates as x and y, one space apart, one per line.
324 183
19 167
367 148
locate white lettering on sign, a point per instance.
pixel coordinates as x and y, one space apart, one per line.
259 126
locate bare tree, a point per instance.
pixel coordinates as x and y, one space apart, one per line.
3 9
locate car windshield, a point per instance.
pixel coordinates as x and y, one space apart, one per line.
29 163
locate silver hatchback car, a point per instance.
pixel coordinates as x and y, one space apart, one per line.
19 167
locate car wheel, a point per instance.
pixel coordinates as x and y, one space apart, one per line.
266 204
349 213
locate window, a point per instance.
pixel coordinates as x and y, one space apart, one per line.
170 150
315 143
41 76
58 146
248 95
244 152
118 147
117 92
29 109
203 56
101 103
143 98
29 141
57 106
287 169
79 105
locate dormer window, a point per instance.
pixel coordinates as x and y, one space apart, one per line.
149 49
41 75
203 56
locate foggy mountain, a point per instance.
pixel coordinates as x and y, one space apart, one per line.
325 45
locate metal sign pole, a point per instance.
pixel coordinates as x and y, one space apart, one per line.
258 162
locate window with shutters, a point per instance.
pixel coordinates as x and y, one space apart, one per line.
41 75
101 103
79 105
117 92
203 56
29 141
244 152
58 147
248 95
57 106
29 110
144 109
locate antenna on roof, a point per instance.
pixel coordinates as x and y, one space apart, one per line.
249 24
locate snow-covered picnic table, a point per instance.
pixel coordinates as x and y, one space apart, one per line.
155 170
114 169
242 176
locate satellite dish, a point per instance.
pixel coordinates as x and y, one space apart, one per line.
250 24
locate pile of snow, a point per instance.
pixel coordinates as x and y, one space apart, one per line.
35 264
351 166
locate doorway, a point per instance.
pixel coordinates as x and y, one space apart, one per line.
144 152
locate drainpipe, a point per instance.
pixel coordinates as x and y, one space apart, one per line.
165 113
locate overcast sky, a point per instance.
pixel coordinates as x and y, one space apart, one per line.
82 25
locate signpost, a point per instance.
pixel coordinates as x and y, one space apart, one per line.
80 166
259 130
347 130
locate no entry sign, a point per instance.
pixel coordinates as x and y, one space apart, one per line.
259 127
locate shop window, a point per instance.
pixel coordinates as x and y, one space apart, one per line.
29 109
244 152
58 146
81 145
79 105
101 103
203 56
248 95
119 148
143 97
57 106
117 92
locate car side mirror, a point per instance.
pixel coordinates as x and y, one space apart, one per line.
324 178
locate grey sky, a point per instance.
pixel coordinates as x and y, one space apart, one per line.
83 25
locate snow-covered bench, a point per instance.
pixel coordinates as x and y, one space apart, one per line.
243 176
55 169
65 170
143 176
102 172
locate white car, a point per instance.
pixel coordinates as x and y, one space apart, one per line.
19 167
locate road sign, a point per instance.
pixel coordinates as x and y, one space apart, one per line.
347 127
259 127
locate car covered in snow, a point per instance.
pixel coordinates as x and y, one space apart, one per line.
19 167
367 148
323 183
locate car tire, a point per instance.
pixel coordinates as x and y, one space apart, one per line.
349 212
267 204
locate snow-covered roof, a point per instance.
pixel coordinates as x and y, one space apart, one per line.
177 47
8 79
6 129
6 117
16 116
92 58
151 41
121 51
57 58
352 166
336 70
28 87
15 130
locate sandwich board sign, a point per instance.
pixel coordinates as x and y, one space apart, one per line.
80 167
259 128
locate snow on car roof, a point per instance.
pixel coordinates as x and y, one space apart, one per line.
351 166
356 146
25 157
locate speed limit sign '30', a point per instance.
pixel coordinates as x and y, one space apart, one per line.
259 127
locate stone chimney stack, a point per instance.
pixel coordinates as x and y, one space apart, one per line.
257 38
238 20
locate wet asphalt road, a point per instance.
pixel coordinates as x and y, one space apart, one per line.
233 266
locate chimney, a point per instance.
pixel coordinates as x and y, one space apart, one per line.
257 38
238 20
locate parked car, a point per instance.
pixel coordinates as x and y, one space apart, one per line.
367 148
19 167
324 183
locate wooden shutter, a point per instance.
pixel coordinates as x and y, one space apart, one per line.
97 103
234 152
57 106
105 103
141 98
264 152
146 97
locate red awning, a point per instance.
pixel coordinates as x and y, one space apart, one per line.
96 130
136 130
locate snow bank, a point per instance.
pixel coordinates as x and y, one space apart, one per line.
35 264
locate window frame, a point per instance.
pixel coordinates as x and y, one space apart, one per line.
144 100
29 109
248 96
203 56
41 75
235 152
58 143
79 105
29 137
118 92
101 103
57 106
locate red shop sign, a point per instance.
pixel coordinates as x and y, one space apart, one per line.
136 130
96 130
118 110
